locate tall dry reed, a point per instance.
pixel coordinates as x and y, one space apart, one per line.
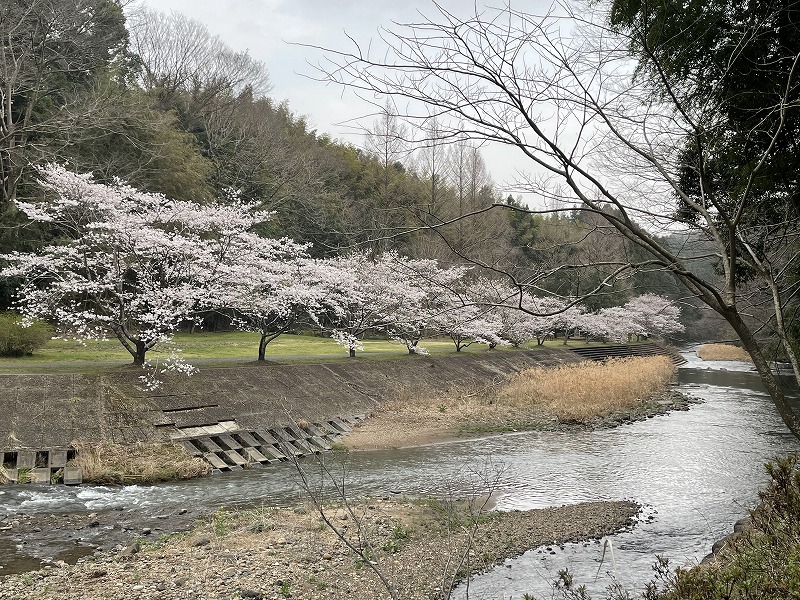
142 462
722 352
587 390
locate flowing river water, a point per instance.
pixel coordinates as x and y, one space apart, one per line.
695 472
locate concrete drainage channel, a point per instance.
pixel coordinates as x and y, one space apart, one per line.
40 466
224 445
227 447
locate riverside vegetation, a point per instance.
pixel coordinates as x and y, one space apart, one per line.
723 352
579 396
105 462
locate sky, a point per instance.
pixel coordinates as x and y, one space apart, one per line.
270 29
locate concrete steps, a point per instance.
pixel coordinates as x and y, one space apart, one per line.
228 448
600 353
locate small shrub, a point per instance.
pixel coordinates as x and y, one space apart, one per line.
24 476
16 340
223 521
400 536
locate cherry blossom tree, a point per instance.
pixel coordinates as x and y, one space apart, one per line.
361 294
423 292
468 315
397 296
644 316
651 315
538 321
269 295
469 324
570 319
608 324
135 265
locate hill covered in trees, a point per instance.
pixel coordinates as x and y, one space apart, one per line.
159 103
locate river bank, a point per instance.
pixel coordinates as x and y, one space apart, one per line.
274 553
580 397
393 427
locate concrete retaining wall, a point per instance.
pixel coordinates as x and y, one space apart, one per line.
47 412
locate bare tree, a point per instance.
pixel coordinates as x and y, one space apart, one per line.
388 141
180 56
52 53
465 500
561 89
432 157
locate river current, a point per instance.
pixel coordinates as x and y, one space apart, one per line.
695 472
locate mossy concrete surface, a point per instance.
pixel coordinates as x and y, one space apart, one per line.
49 411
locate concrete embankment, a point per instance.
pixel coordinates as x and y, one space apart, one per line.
230 416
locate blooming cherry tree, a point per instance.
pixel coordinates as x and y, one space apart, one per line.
525 316
270 289
361 294
538 319
467 315
610 324
653 315
137 265
467 324
423 292
642 316
399 296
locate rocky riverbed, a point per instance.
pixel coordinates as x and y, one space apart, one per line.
420 547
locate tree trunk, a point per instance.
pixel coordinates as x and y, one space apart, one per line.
262 348
767 377
352 352
780 327
138 355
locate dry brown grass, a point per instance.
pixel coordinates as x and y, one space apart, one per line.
141 462
535 398
722 352
4 477
588 390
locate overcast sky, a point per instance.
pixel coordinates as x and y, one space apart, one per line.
267 29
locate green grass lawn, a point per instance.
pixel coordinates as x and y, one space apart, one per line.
217 349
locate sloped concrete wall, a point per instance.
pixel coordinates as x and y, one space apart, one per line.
49 411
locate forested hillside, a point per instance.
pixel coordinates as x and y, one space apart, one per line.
158 102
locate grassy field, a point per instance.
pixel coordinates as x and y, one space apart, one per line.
217 349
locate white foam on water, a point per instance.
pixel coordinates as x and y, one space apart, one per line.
102 497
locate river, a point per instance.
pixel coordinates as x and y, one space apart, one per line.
695 472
